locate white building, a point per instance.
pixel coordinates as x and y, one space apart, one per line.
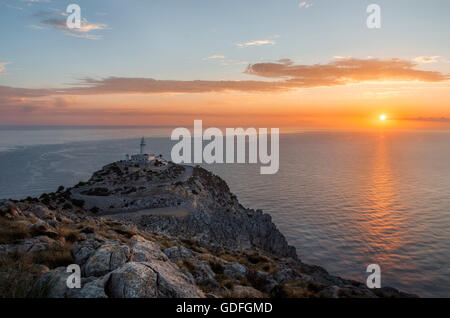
141 157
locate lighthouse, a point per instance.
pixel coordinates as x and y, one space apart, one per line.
142 146
141 157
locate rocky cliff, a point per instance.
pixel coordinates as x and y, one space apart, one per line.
154 230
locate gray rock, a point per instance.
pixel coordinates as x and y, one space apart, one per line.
35 244
203 274
91 289
42 212
82 251
172 282
143 250
52 284
106 258
150 279
132 280
177 253
235 270
286 275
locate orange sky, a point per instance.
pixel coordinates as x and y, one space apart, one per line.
343 94
355 106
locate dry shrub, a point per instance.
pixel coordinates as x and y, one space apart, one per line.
215 265
18 274
69 234
54 257
191 267
284 291
12 231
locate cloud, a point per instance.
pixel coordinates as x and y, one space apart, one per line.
344 71
18 93
57 19
13 7
284 75
36 27
426 59
149 85
63 101
83 32
428 119
256 43
305 4
2 66
213 57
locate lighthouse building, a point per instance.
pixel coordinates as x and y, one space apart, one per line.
142 157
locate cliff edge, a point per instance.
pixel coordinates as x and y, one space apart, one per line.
154 229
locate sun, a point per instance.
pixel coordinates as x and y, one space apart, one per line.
383 117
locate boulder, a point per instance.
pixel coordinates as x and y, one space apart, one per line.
235 270
42 212
106 258
82 251
172 283
177 253
286 275
143 250
35 244
52 284
132 280
91 289
150 279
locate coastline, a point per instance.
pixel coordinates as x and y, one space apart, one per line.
221 249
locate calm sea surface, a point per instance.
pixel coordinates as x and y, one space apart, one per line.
344 200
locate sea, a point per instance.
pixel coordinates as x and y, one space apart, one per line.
343 199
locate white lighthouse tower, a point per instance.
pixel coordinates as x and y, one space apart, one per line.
142 146
142 157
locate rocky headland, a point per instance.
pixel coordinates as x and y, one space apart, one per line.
154 229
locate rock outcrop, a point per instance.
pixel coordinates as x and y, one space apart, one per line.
214 219
154 230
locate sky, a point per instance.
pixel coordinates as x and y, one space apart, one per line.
268 63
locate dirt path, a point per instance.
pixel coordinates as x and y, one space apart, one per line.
178 211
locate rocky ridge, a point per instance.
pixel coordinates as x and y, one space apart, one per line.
154 230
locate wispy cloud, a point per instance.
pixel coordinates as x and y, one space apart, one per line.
442 119
256 43
340 57
2 66
57 19
35 26
426 59
13 6
305 4
345 71
214 57
83 32
36 1
284 73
